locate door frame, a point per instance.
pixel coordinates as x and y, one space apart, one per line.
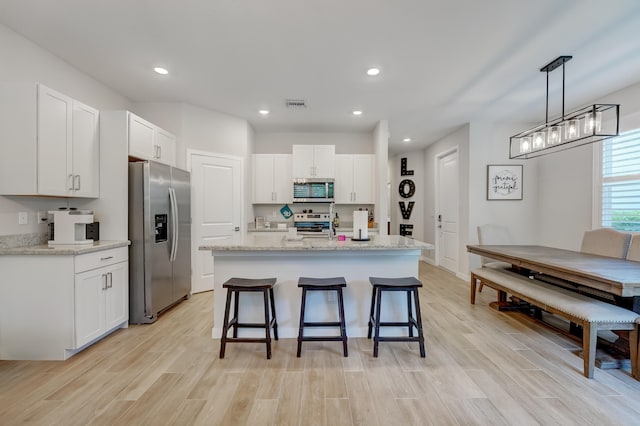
437 158
192 152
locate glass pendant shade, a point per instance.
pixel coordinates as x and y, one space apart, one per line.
572 129
592 122
525 145
538 140
554 135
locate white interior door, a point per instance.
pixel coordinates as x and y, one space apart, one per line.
216 206
447 214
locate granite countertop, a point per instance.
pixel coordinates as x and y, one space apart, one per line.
252 228
257 242
44 249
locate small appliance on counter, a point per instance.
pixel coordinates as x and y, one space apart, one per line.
312 224
68 226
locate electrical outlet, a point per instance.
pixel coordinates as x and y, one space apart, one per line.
23 218
331 296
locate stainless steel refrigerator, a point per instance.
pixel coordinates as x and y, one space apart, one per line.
160 234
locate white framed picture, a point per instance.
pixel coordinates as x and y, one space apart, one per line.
504 182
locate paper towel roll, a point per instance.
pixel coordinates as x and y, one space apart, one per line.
360 225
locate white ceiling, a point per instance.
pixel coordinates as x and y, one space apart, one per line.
444 63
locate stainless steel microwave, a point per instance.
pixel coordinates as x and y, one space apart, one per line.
313 190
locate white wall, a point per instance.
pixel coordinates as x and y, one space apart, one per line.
346 143
23 61
490 145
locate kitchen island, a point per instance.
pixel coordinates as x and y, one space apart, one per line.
277 256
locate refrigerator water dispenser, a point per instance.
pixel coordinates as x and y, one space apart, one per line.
161 228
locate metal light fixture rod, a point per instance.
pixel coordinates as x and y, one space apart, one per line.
560 60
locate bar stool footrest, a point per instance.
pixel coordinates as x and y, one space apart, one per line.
398 339
322 324
247 339
322 339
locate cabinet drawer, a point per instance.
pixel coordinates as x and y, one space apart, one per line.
98 259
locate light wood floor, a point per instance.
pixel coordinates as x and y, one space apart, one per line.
482 367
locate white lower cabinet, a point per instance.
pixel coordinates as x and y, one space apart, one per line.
53 306
101 301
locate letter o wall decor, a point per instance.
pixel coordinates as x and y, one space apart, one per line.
403 186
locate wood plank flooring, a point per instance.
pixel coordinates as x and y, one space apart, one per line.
482 367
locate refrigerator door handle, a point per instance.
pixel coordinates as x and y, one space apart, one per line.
174 224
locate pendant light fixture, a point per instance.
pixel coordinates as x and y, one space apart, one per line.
586 125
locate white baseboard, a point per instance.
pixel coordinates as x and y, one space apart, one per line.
463 276
428 260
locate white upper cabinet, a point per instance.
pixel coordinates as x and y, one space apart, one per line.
313 161
49 143
149 142
165 147
272 180
86 150
141 138
355 179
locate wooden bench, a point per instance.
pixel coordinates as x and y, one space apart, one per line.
591 314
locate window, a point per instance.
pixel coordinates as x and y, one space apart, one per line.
620 206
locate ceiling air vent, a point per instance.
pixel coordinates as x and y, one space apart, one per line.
296 103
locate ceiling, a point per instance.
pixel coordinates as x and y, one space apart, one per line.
443 63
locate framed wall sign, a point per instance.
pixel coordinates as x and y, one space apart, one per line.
504 182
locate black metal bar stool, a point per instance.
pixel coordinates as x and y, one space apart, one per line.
325 284
409 285
237 286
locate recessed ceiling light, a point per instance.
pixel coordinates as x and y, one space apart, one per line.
161 70
406 140
357 112
264 111
373 71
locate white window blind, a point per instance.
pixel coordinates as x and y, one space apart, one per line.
621 182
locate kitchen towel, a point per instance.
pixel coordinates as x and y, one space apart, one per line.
286 212
360 225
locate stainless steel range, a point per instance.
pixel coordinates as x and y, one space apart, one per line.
313 224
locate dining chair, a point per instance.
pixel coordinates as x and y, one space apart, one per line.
634 248
494 235
606 242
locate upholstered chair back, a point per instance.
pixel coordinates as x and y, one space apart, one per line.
634 248
606 242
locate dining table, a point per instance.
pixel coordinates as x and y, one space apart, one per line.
607 276
617 277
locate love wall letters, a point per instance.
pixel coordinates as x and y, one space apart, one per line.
407 189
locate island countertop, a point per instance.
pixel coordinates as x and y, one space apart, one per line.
256 242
